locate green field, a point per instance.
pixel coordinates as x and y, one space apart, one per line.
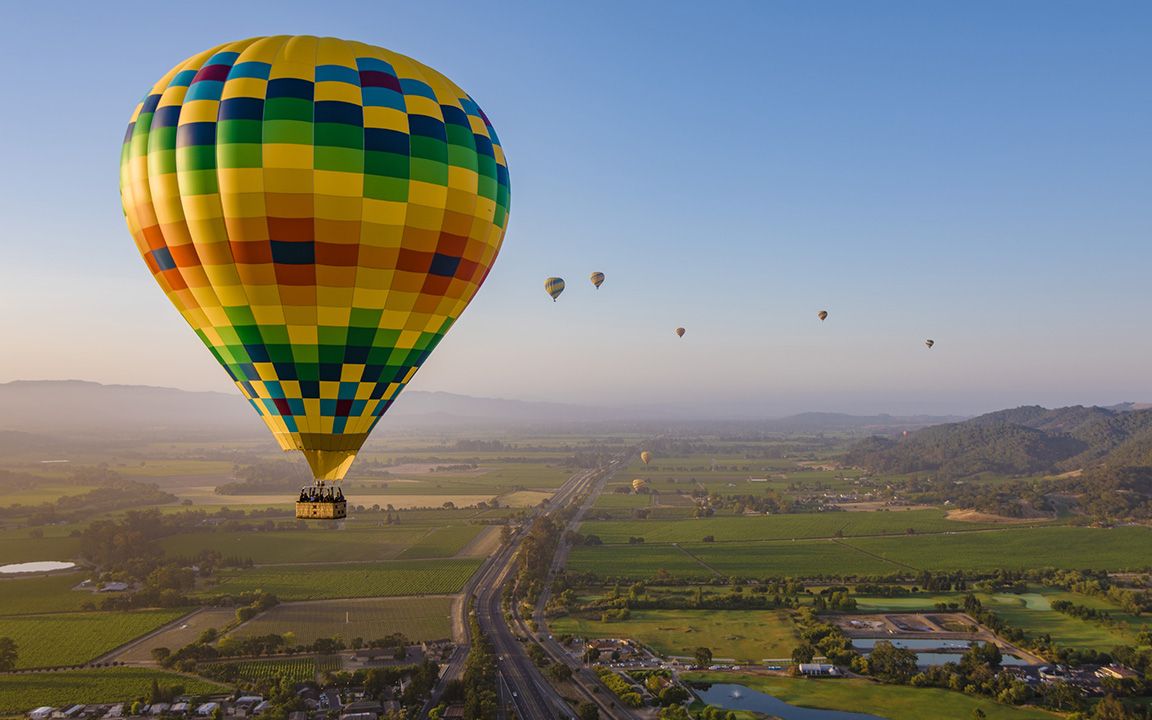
441 542
321 582
896 702
425 618
43 594
75 638
748 636
294 670
777 527
1020 547
15 549
19 693
321 544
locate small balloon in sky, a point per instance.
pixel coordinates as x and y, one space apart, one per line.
929 343
823 315
680 332
554 286
597 279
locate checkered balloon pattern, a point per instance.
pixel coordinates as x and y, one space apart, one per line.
320 211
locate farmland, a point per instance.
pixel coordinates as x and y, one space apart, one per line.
42 594
319 582
745 635
181 634
25 691
424 618
75 638
1015 547
291 669
14 549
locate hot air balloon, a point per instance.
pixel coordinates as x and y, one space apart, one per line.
929 343
645 457
554 286
320 212
680 332
639 485
597 279
823 315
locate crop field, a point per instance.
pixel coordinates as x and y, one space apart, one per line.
25 549
319 544
74 638
1121 548
424 618
441 542
41 492
19 693
746 635
39 594
322 582
179 635
299 669
889 701
777 527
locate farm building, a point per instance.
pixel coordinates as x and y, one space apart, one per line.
207 709
41 713
819 670
1119 672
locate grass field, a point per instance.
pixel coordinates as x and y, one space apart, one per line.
746 635
25 549
74 638
777 527
323 544
19 693
179 635
425 618
896 702
1018 547
42 594
322 582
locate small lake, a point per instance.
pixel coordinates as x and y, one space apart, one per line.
35 567
738 697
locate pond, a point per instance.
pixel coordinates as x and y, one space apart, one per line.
35 567
738 697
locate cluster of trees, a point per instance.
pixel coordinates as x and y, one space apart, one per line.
478 686
110 491
620 687
821 638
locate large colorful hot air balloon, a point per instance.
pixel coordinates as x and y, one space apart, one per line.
597 279
639 485
320 212
645 457
554 286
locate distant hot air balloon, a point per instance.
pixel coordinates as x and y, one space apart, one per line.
554 286
823 315
320 212
597 279
639 484
905 433
680 332
929 343
645 457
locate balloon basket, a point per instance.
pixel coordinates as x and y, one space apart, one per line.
322 510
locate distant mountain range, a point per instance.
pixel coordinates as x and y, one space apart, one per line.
78 408
1022 441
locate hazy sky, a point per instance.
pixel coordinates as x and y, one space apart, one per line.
975 172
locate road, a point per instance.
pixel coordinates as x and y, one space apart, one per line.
524 692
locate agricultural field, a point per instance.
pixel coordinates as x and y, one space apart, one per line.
423 618
748 636
295 670
74 638
185 632
890 701
441 542
37 594
25 691
322 582
25 549
319 544
1014 547
777 527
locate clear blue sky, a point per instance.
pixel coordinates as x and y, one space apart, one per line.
975 172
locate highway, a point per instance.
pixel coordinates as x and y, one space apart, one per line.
524 692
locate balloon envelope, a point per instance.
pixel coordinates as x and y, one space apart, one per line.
597 279
645 457
929 343
680 332
823 314
554 286
320 212
638 484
